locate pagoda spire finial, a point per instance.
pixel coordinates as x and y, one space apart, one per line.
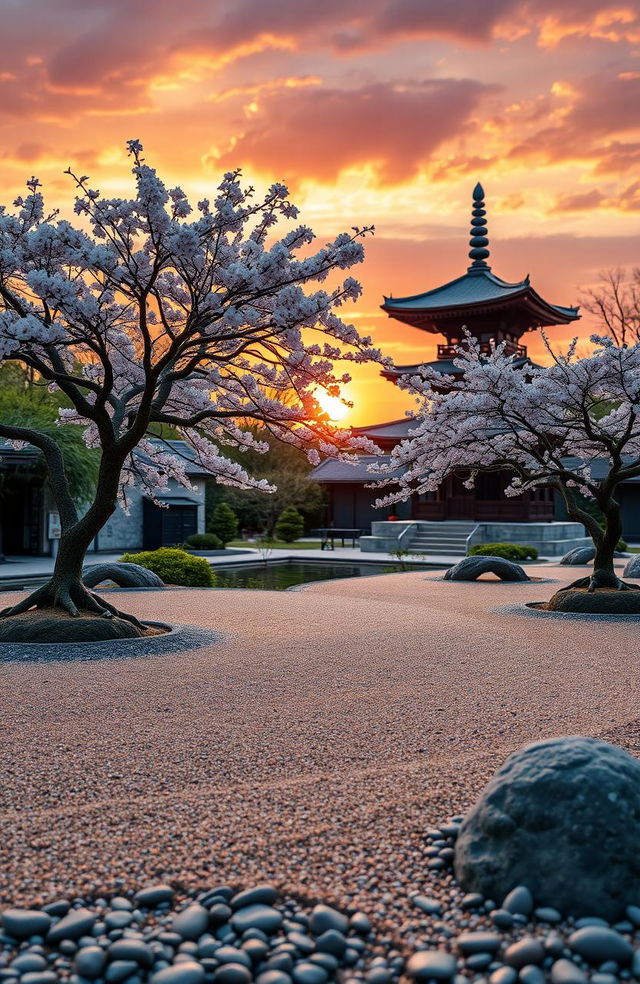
479 241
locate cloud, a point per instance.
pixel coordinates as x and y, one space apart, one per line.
580 201
319 132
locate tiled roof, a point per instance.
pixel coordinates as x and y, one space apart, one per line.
331 470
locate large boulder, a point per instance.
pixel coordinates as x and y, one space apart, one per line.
632 567
600 602
578 557
561 817
471 568
124 575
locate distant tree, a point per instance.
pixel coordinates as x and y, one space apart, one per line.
616 305
287 470
224 523
27 402
290 525
149 317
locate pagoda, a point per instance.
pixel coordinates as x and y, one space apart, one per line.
491 309
494 312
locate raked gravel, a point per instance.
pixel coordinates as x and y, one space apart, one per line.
314 746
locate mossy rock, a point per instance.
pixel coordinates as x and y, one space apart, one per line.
50 625
124 575
604 601
471 568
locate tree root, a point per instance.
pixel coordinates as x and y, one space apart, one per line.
71 597
597 581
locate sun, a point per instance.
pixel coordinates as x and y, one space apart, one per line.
332 405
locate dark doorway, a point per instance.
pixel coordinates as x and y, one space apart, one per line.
169 525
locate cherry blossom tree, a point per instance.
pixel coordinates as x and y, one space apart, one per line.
149 313
544 426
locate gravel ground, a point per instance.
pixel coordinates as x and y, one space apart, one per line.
312 747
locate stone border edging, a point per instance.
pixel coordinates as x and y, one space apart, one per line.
179 638
523 609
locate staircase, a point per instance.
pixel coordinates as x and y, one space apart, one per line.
445 539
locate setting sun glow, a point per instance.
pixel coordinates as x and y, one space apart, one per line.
332 405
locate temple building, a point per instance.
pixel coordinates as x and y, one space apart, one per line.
494 312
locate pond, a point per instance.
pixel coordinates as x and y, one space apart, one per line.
278 575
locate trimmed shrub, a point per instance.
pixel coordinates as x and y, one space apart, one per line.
224 523
510 551
175 566
290 525
203 541
621 545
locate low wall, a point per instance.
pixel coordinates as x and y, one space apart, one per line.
549 539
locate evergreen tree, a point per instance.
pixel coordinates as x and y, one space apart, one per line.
224 523
290 525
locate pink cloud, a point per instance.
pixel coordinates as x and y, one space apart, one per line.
318 132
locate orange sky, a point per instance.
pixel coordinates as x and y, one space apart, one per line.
374 111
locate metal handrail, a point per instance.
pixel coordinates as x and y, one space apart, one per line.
407 528
473 533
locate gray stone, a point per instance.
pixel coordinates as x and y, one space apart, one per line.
127 949
331 941
632 912
302 942
579 557
431 906
219 914
119 970
632 567
530 974
231 954
548 914
306 972
266 894
40 977
326 960
153 895
90 962
360 923
256 916
502 918
519 900
23 923
182 973
471 568
28 962
561 816
72 926
597 944
323 917
122 574
273 977
479 961
118 919
504 975
565 972
528 950
428 965
192 922
478 942
232 973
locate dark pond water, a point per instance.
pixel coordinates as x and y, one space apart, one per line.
279 575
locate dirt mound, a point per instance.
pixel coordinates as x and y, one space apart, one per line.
50 625
604 601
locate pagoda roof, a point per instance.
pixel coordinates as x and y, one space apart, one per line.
445 366
478 292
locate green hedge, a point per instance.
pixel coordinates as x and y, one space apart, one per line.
203 541
175 566
510 551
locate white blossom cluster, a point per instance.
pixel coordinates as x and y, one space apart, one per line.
544 425
199 319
